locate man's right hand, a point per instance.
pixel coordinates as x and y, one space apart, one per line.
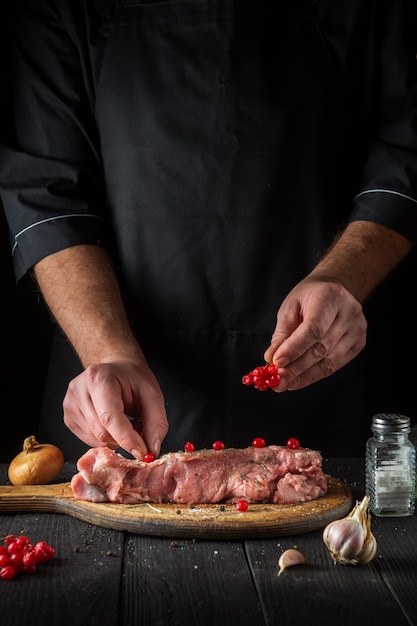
100 399
80 287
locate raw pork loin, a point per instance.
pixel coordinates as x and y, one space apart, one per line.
271 474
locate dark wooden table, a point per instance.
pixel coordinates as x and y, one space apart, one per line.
102 577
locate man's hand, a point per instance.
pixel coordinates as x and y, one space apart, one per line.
320 327
100 401
320 324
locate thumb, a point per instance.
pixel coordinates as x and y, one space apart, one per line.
277 339
286 324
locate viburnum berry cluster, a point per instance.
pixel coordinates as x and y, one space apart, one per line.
263 377
19 555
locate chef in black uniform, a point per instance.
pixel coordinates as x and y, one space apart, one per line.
182 172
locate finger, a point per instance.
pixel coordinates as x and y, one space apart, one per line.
152 439
287 322
153 421
155 430
113 424
298 377
313 338
306 371
81 418
276 341
79 413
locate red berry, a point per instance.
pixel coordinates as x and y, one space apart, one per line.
189 447
14 547
258 442
218 445
29 562
51 552
9 539
8 572
23 541
242 506
263 378
42 552
4 560
293 443
148 457
16 559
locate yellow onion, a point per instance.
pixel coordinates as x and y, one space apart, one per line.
37 464
350 540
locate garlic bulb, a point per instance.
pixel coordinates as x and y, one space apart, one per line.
350 540
288 558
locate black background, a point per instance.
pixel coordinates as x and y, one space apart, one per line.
25 325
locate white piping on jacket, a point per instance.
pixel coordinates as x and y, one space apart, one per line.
395 193
50 219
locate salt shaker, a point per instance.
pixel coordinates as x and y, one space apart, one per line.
390 466
413 439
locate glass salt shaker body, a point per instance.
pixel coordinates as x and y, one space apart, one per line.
390 469
413 439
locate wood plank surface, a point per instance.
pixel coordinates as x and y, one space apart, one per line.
396 560
311 593
187 582
219 521
69 589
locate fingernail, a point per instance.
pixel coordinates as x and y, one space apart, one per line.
157 447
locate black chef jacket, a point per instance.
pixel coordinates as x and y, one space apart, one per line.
215 147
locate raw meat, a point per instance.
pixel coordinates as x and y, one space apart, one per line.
271 474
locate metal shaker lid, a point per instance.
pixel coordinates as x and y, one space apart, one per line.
391 423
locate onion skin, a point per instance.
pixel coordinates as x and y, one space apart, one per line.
37 464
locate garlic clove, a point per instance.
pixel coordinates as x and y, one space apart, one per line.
350 540
289 558
368 551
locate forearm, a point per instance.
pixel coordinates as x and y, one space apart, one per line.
362 257
81 290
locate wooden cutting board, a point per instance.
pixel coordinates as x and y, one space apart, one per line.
209 521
